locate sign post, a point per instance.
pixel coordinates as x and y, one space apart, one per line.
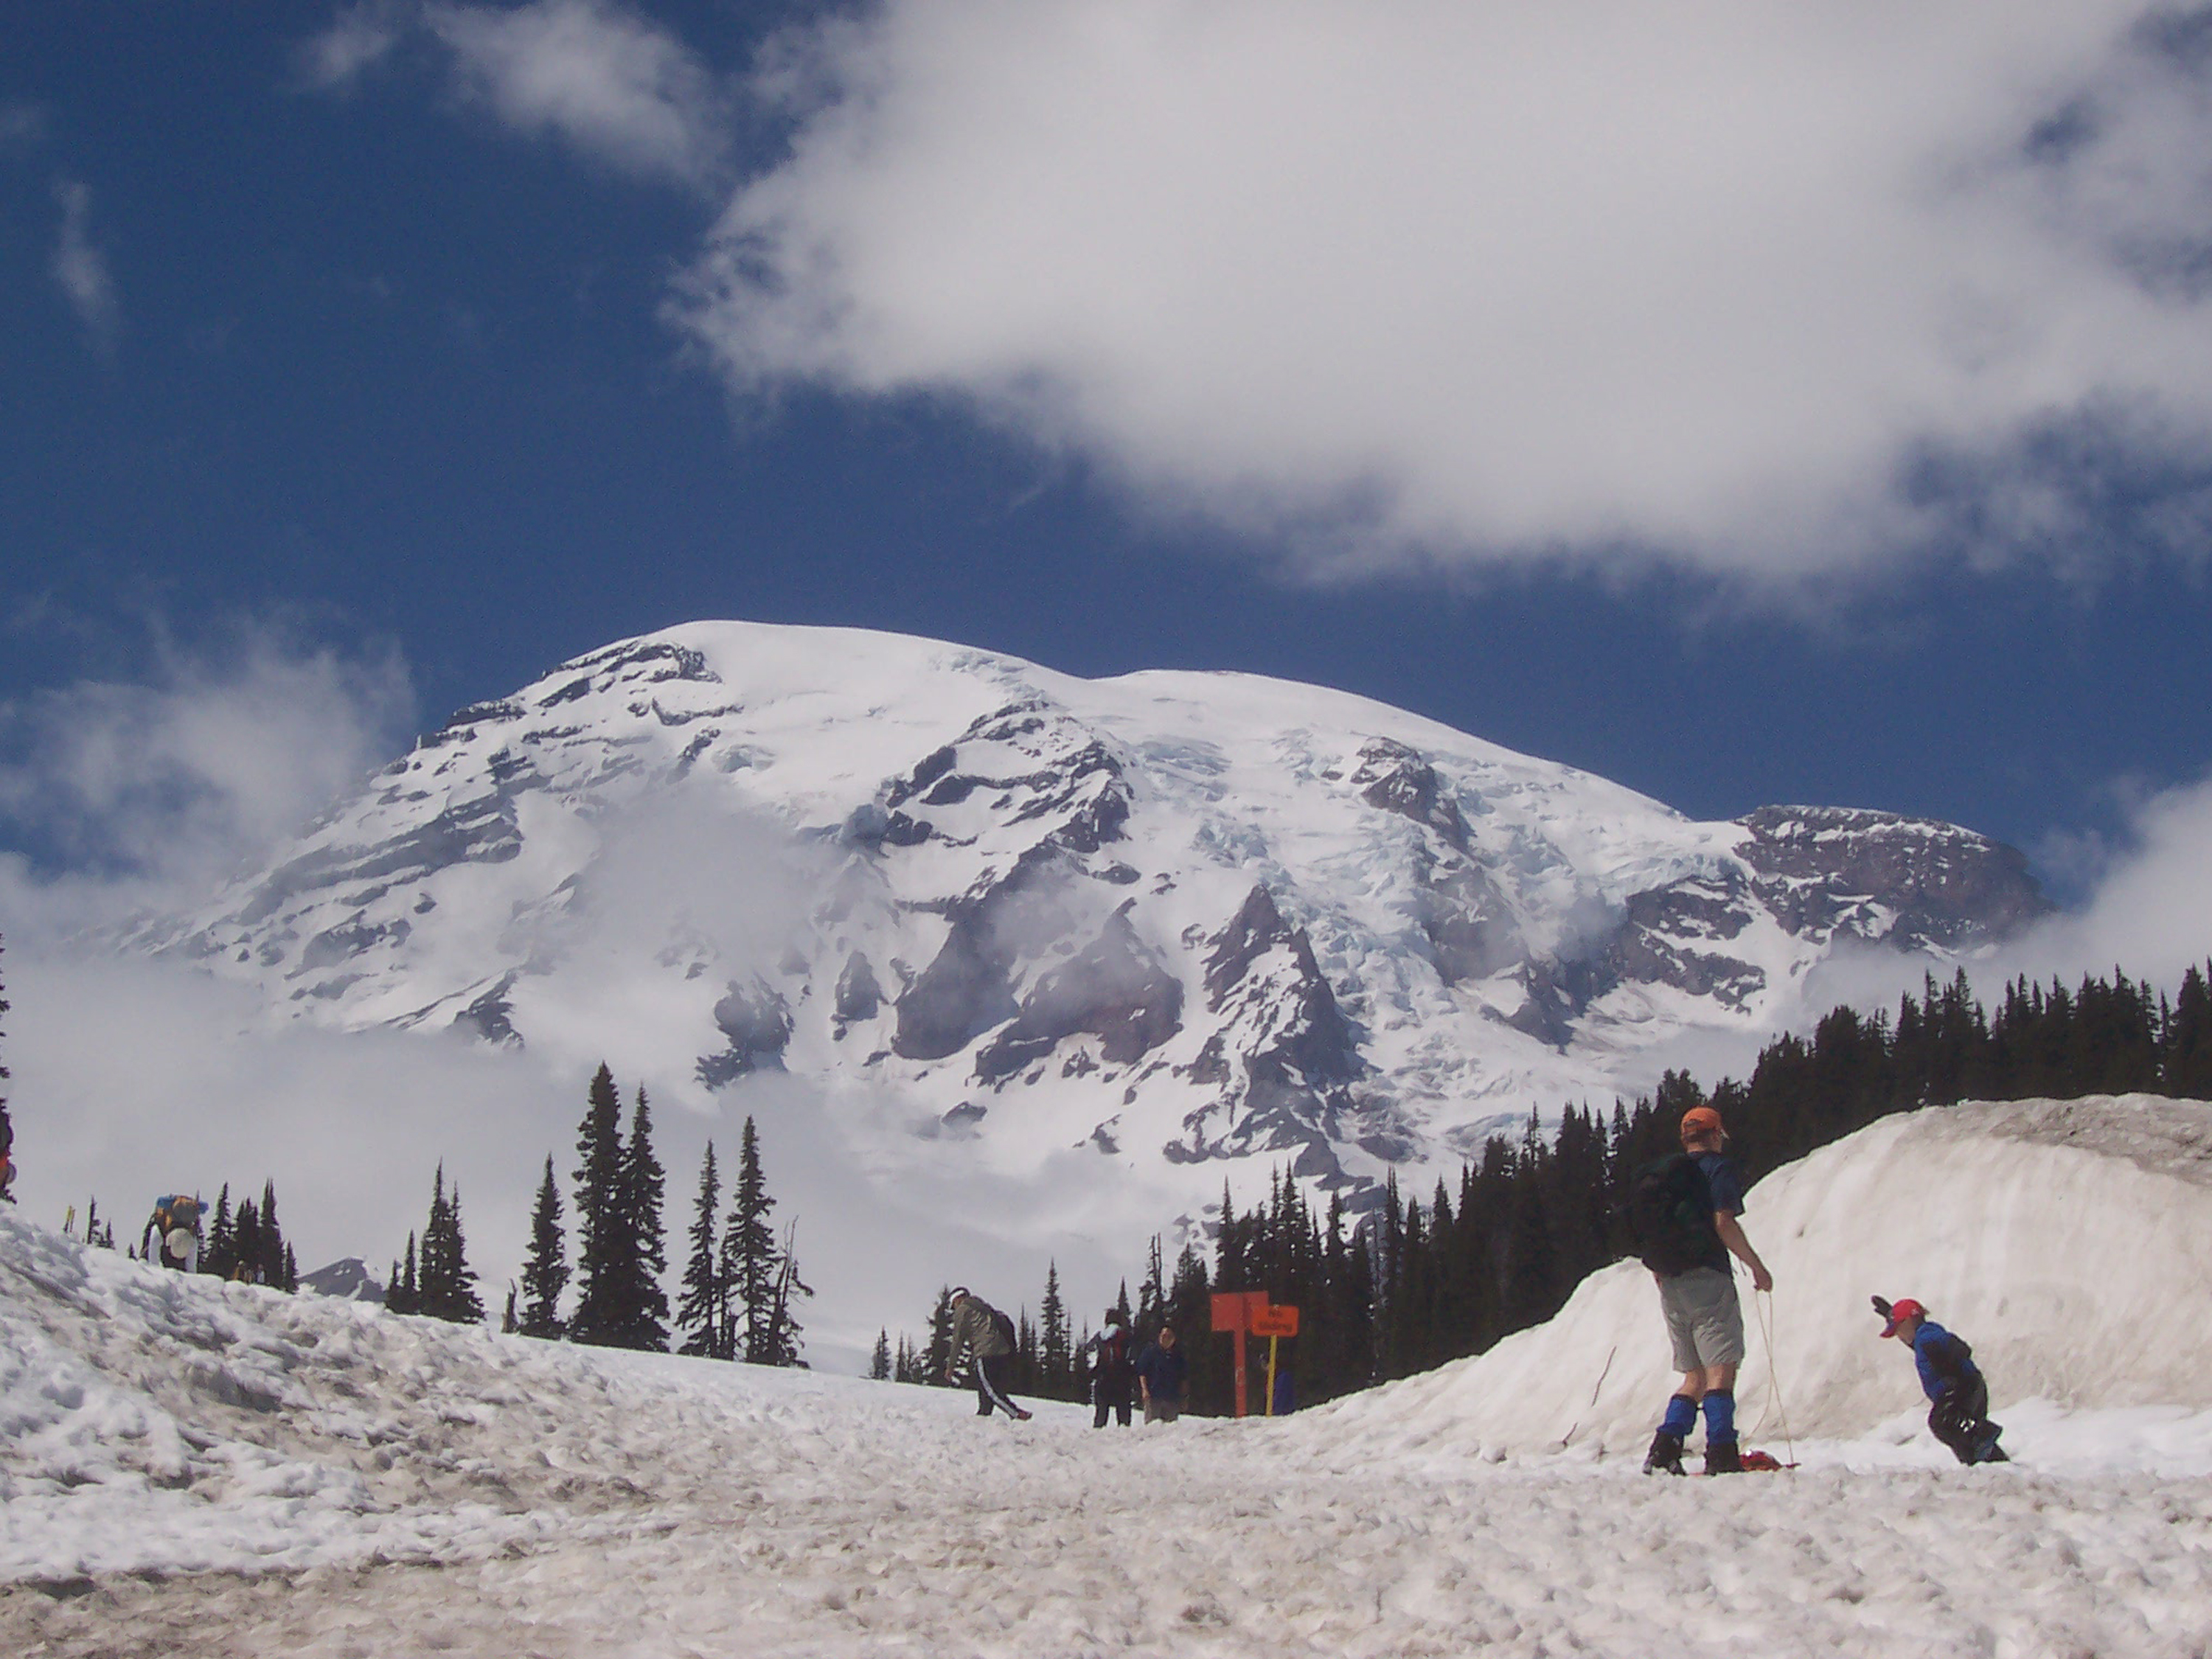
1232 1313
1275 1323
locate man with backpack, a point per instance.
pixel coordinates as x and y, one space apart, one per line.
172 1238
989 1334
1683 1211
1958 1393
1113 1376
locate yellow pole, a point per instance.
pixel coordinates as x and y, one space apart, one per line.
1272 1341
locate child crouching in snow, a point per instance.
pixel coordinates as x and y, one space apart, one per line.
1958 1414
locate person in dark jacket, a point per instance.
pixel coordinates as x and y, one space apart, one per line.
1697 1295
1113 1371
1162 1370
984 1331
1958 1393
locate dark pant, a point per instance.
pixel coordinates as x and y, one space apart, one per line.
1110 1394
992 1377
1960 1420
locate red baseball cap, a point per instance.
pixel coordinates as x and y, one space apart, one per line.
1702 1117
1901 1312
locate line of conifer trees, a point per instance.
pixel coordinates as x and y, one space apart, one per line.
1405 1286
741 1286
247 1244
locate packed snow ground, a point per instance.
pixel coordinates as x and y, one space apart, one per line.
188 1466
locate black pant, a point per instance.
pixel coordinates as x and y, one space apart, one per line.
992 1377
1111 1394
1960 1420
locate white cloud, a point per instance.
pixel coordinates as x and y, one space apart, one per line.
358 39
80 268
143 794
613 84
2150 913
1767 291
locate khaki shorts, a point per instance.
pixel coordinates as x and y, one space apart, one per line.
1704 1321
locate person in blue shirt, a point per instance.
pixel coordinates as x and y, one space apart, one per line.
1161 1370
1959 1412
1700 1197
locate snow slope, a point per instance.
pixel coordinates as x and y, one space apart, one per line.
2070 1243
192 1467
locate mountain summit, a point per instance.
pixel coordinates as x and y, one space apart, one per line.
1157 921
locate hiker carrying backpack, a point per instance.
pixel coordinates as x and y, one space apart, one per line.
1683 1214
172 1238
1669 1210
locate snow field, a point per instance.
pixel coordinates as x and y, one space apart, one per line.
188 1465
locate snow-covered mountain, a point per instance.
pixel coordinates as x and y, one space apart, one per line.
1159 920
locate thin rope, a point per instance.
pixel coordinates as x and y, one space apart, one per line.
1763 1301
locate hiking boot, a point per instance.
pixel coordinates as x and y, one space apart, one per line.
1721 1458
1665 1457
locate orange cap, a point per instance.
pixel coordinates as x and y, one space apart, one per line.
1702 1117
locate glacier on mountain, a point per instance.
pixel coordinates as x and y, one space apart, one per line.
1168 918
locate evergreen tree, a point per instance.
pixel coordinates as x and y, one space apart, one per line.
546 1269
509 1323
2188 1058
1152 1291
749 1256
937 1358
643 1322
784 1346
879 1364
1055 1346
447 1285
700 1313
403 1295
269 1266
221 1255
601 1247
246 1243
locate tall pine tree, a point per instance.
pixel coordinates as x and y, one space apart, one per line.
701 1312
546 1269
749 1257
447 1285
601 1245
643 1323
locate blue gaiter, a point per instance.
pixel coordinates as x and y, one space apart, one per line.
1681 1416
1720 1418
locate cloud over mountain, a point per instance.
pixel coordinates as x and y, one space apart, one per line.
1765 293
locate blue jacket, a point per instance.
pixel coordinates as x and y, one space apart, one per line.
1163 1370
1945 1361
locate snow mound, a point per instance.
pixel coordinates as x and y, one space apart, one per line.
2069 1242
193 1467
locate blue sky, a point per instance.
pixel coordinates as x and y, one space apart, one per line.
434 343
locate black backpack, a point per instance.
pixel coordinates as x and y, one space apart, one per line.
1004 1324
1670 1216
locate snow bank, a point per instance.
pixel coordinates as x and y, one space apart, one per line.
193 1467
2070 1243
